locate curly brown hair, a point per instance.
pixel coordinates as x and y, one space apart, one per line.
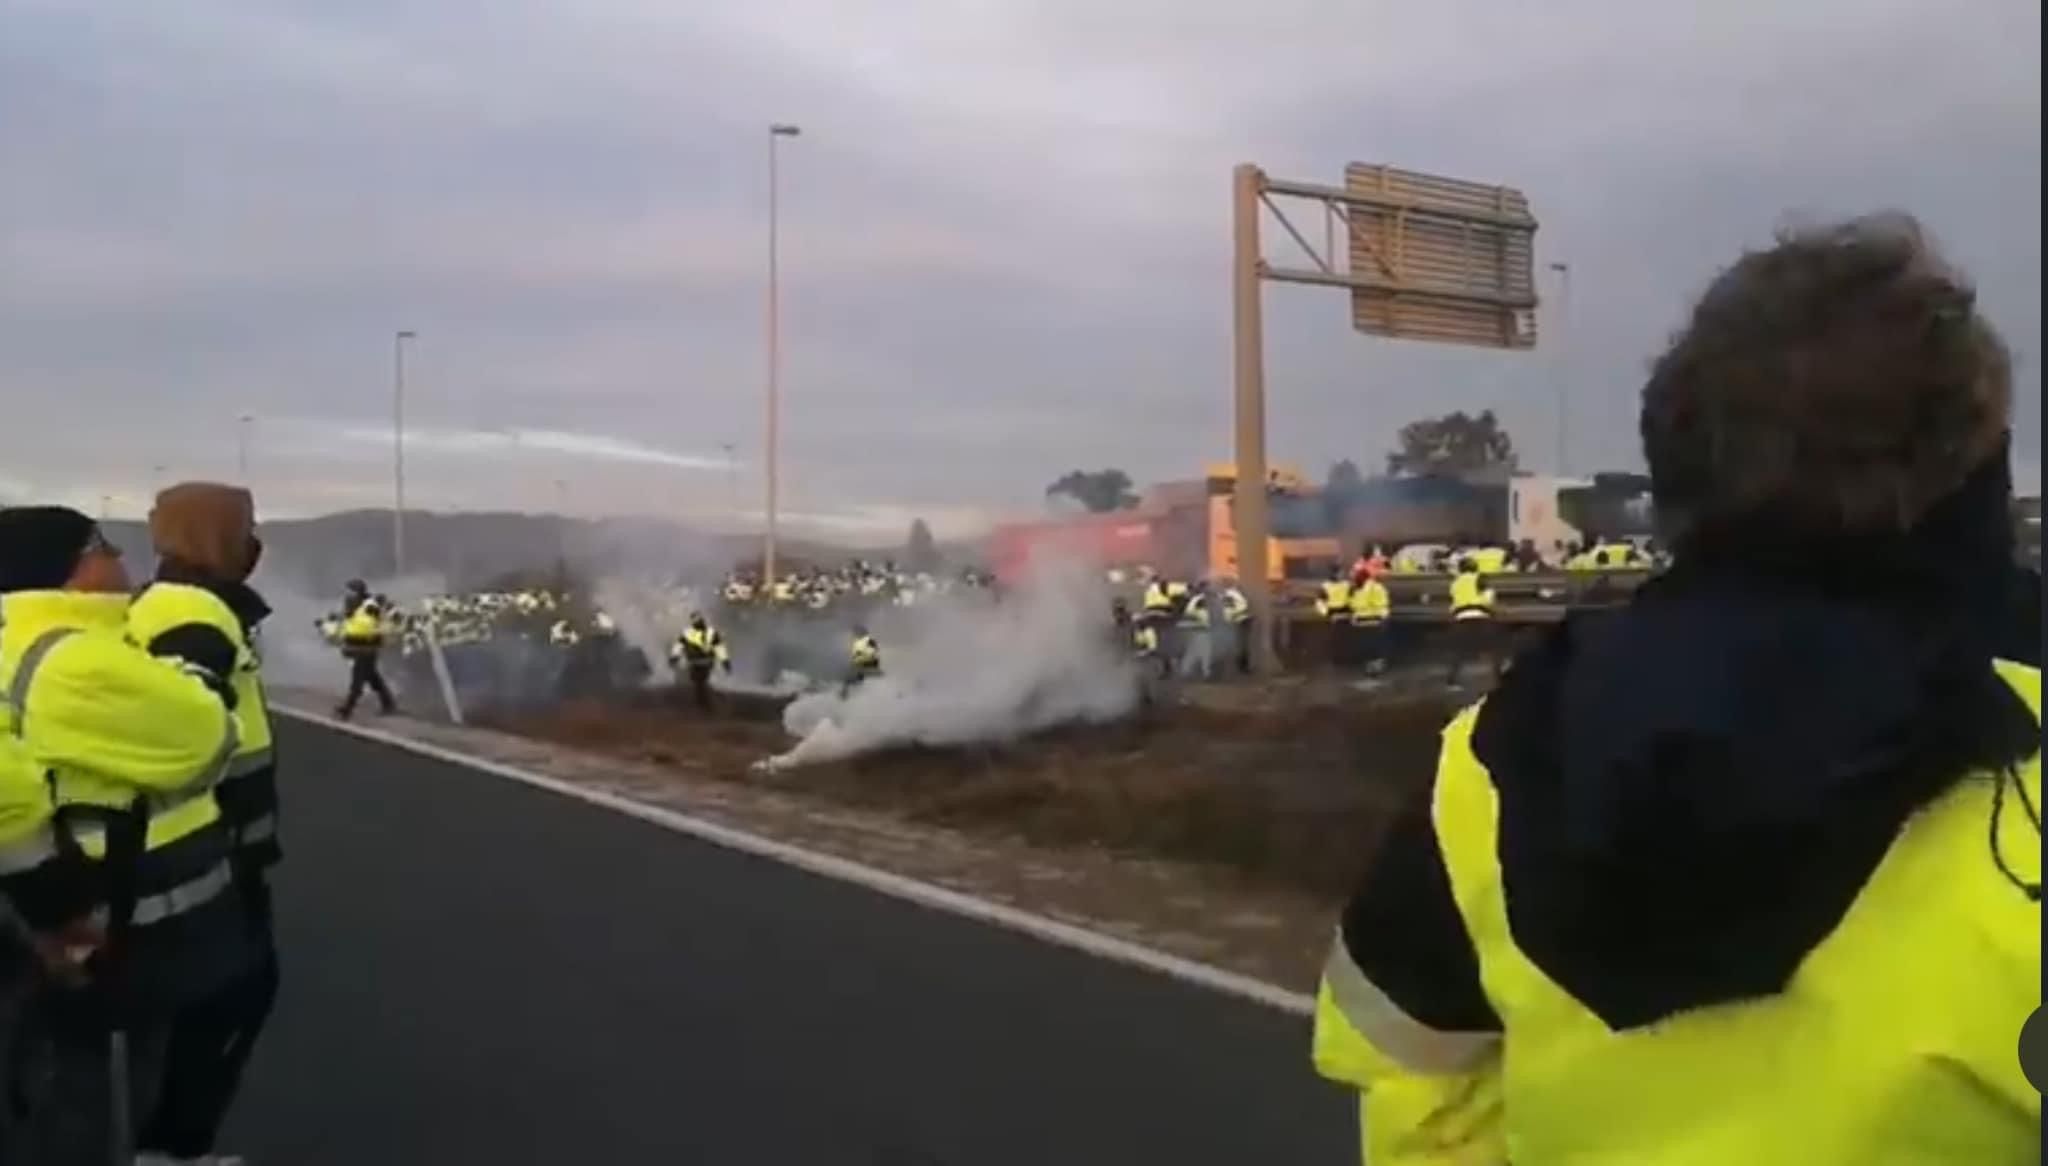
1838 383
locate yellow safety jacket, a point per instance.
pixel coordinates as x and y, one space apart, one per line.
1470 597
117 730
1145 639
699 647
362 633
867 655
1371 604
248 788
1490 560
1157 601
1877 1052
1335 602
29 859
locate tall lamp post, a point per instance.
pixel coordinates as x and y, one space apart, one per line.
776 132
398 448
1564 367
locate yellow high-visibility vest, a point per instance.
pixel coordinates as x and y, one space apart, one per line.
1878 1051
1470 597
112 727
248 789
1371 603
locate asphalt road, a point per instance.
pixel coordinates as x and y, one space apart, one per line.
480 972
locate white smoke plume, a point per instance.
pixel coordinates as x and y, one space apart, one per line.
650 613
977 670
294 652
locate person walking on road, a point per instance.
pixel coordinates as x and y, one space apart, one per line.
1747 869
362 642
130 746
201 609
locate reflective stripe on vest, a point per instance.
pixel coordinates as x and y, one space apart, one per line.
1372 1014
17 692
244 764
261 828
186 896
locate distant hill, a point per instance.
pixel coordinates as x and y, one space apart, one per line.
471 549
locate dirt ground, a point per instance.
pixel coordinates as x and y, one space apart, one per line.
1227 828
1292 795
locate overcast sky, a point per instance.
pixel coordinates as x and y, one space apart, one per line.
1005 228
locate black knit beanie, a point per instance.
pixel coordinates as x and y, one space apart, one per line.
40 546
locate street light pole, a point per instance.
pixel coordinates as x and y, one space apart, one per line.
398 449
1564 366
776 132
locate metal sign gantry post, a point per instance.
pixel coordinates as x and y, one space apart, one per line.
1428 258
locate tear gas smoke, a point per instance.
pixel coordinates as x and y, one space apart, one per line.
648 613
294 652
970 669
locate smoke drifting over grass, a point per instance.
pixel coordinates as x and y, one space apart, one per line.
294 653
973 670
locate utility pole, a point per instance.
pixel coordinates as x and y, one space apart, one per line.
398 449
776 133
1249 352
1564 367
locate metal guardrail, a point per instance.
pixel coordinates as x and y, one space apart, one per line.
1521 597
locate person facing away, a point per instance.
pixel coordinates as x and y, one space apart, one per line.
1748 869
201 609
130 747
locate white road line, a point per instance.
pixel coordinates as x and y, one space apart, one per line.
885 882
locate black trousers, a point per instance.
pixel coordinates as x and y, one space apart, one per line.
700 686
362 674
209 1045
67 1081
1471 640
1371 641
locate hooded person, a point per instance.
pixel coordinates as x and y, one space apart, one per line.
130 747
201 609
1748 869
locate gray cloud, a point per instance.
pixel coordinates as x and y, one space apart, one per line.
1005 232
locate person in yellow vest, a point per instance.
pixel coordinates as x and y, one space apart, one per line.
695 653
1749 868
201 609
362 642
864 660
1372 607
1471 633
1333 606
130 746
